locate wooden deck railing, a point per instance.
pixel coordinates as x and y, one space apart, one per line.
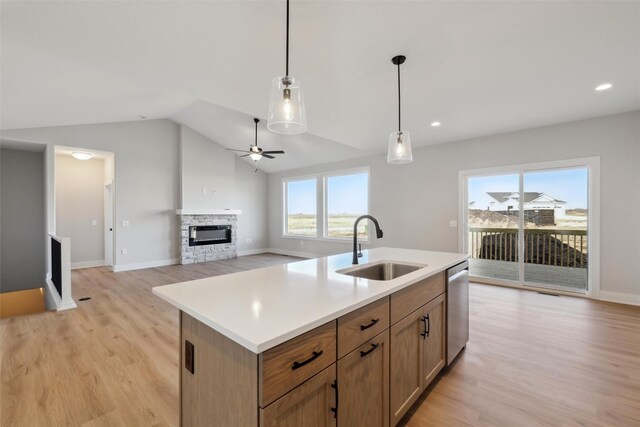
565 248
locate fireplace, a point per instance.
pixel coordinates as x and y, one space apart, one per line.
209 234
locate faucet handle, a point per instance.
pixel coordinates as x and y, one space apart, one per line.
359 250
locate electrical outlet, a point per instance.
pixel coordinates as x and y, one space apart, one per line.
124 252
249 240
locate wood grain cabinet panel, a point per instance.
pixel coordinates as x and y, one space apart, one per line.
311 404
361 325
433 358
363 384
406 351
411 298
289 364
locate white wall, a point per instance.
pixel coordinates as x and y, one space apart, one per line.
22 220
206 164
415 202
146 182
79 202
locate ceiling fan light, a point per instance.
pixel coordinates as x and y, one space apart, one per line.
399 151
255 156
287 113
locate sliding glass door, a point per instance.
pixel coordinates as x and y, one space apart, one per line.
529 227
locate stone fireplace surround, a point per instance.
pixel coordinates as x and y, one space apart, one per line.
205 253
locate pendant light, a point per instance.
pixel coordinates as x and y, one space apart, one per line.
287 114
399 142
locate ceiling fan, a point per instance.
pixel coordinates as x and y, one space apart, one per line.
255 152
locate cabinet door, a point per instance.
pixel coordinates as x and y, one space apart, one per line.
363 384
311 404
433 356
406 352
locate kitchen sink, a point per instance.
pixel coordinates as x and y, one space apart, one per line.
381 270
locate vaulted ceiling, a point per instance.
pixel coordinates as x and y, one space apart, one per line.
478 67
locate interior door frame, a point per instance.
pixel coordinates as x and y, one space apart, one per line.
593 220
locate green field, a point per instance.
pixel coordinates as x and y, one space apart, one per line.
339 225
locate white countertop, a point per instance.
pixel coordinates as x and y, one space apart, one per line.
262 308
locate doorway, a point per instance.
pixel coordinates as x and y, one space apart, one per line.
84 204
533 225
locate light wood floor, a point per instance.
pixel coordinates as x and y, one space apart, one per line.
532 360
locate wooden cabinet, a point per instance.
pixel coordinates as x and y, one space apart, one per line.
363 384
311 404
289 364
417 355
353 371
405 364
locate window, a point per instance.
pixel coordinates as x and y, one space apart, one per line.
346 197
301 210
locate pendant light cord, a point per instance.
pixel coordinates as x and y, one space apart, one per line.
287 53
399 104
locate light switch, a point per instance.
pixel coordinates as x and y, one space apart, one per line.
124 252
204 190
94 222
125 223
453 223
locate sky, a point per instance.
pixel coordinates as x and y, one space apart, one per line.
346 194
570 185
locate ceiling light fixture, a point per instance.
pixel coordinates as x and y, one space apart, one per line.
604 86
399 142
255 152
435 124
287 113
81 155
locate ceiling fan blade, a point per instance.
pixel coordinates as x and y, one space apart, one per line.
273 152
267 156
246 155
242 151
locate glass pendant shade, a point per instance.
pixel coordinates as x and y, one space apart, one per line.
255 156
399 148
287 114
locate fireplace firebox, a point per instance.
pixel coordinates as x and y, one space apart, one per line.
209 235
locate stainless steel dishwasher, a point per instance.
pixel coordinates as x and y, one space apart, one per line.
457 309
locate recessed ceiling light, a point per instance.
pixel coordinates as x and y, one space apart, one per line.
604 86
435 124
80 155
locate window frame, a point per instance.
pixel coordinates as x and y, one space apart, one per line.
322 215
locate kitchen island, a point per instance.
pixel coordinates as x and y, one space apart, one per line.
306 343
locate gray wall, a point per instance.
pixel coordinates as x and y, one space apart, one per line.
79 202
146 181
22 220
206 164
415 202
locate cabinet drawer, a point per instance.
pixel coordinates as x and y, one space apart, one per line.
361 325
407 300
288 365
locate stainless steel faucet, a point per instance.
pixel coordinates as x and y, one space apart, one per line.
379 235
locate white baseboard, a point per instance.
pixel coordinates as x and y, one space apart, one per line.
53 300
620 297
87 264
252 252
294 253
150 264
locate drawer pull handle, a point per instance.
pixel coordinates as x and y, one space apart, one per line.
373 347
334 385
427 327
373 322
297 364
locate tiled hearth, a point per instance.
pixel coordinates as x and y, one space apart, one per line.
205 253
